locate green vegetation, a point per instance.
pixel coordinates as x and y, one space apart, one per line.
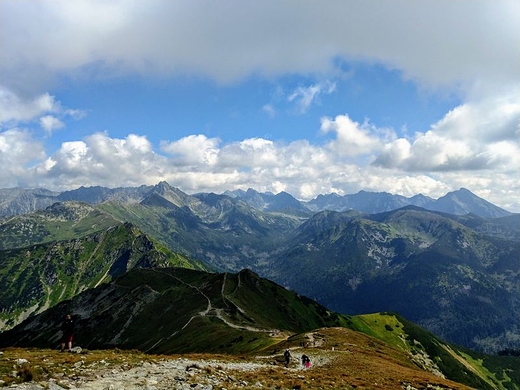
427 266
40 276
180 310
61 222
384 326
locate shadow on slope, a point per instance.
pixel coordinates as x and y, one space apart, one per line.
172 310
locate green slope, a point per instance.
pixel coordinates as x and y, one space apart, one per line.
59 222
459 364
179 310
456 282
37 277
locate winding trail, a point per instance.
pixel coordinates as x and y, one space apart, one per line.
212 311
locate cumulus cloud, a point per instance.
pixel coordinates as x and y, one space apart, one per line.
18 151
198 163
50 123
193 151
13 108
16 109
354 139
479 135
101 159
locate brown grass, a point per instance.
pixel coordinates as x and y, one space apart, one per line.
357 362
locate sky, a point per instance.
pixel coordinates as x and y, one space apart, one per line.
307 97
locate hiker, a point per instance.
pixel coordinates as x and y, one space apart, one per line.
306 362
67 328
287 356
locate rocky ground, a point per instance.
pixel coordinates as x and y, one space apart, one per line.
80 372
353 362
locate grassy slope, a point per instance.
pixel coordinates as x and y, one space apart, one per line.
40 276
459 364
61 222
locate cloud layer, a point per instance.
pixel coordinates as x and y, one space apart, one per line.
435 42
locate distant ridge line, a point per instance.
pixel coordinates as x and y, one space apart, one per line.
18 201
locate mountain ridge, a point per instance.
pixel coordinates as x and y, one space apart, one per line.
176 310
40 275
20 201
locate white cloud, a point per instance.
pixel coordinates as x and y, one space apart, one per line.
15 109
305 96
50 123
269 110
103 160
354 139
479 135
488 119
198 163
193 150
18 151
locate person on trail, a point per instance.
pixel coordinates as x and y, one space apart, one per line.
67 329
306 362
287 356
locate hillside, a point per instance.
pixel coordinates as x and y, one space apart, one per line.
452 280
244 321
39 276
224 233
177 303
58 222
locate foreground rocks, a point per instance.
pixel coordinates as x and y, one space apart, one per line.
77 371
168 374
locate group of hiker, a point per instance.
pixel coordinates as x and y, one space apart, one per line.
306 361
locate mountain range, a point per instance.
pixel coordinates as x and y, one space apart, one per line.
457 275
17 201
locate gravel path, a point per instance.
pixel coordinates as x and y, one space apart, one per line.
167 374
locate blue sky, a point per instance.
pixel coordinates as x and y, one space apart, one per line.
273 109
304 97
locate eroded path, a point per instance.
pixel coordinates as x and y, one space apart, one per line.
210 310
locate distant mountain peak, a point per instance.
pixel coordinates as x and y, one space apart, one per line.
463 201
459 202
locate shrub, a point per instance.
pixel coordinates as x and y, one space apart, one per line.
26 373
